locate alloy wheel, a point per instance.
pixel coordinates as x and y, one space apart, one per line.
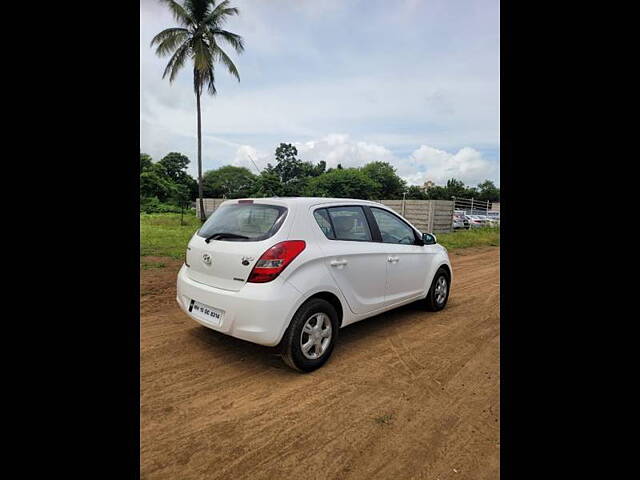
316 336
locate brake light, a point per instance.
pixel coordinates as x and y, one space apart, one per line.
275 260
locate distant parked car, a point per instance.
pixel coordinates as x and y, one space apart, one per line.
495 216
475 221
486 221
460 222
491 222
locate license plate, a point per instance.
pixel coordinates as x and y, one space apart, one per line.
207 314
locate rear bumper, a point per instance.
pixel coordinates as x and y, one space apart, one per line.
258 312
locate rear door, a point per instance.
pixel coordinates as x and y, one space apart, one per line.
408 263
357 263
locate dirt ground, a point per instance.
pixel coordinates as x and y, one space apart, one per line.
406 395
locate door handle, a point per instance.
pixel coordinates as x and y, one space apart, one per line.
393 259
338 263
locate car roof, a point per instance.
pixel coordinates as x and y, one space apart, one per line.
291 201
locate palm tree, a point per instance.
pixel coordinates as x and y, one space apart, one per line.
198 39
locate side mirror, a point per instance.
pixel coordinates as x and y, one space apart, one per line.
429 239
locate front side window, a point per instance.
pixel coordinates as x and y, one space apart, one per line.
244 222
392 229
349 223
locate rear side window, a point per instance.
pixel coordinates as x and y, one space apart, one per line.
255 221
322 217
349 223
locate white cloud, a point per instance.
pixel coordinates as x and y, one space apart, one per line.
428 163
425 163
338 148
246 153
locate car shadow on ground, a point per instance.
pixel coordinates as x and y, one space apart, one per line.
234 349
251 354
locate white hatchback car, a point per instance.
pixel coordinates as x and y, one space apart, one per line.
293 271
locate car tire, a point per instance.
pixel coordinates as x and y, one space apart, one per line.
435 301
312 313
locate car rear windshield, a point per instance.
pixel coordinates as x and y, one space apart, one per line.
256 221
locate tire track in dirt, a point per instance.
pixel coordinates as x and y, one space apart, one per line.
408 394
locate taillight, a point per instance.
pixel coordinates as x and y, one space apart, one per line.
275 260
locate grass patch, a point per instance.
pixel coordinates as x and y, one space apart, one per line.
476 237
161 234
384 419
151 265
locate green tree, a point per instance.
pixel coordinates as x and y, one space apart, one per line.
487 191
414 192
456 188
319 169
343 183
288 166
229 182
268 185
192 185
198 39
180 196
292 173
175 165
155 183
391 185
145 161
437 192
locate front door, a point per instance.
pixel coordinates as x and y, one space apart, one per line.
408 263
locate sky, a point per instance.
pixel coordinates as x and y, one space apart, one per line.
415 83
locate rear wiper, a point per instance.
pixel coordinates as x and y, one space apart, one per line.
219 235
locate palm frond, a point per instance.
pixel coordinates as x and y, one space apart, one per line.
218 16
176 62
167 40
181 15
202 55
236 41
224 58
200 78
211 82
198 8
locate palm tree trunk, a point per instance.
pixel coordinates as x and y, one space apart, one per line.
203 216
